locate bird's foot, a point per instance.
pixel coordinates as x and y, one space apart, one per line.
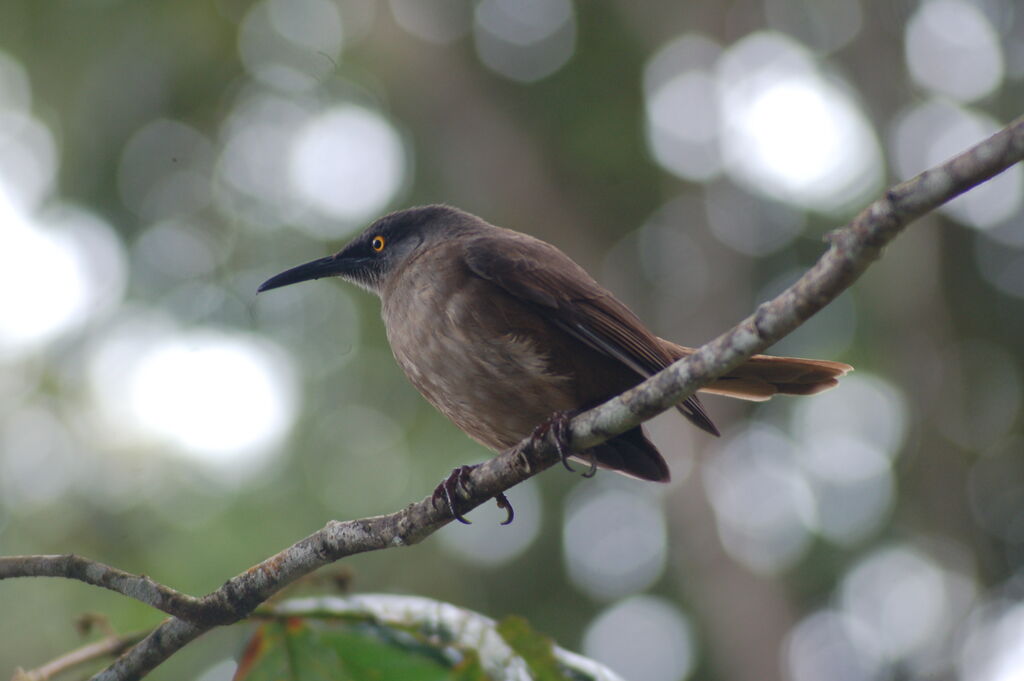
448 492
558 425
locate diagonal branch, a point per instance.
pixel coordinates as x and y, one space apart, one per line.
852 249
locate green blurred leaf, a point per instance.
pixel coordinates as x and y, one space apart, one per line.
370 659
289 650
299 650
470 668
537 650
381 637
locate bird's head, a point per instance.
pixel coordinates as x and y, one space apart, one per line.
382 248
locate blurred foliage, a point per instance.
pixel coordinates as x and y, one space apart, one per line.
387 637
303 651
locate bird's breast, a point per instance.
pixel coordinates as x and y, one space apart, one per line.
477 355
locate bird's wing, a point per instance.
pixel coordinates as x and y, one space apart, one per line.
563 292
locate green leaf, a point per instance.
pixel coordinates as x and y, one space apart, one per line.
368 658
537 650
287 650
385 637
297 650
470 668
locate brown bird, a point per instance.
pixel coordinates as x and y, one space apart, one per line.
500 331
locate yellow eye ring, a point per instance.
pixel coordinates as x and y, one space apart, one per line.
377 244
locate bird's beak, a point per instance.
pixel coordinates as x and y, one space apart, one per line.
331 266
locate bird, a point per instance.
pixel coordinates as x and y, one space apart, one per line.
506 335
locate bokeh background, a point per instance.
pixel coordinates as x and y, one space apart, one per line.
159 159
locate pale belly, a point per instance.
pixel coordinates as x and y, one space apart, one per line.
497 387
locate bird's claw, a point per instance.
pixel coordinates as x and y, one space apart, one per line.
505 505
592 469
558 425
448 492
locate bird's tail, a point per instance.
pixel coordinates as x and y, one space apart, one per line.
758 379
764 375
631 454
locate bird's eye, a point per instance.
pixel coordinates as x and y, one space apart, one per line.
377 244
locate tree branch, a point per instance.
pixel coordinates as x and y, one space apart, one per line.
852 249
139 587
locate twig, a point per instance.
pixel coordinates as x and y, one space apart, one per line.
852 249
106 647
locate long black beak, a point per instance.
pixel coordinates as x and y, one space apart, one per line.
331 266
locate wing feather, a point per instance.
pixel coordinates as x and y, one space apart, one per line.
563 292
